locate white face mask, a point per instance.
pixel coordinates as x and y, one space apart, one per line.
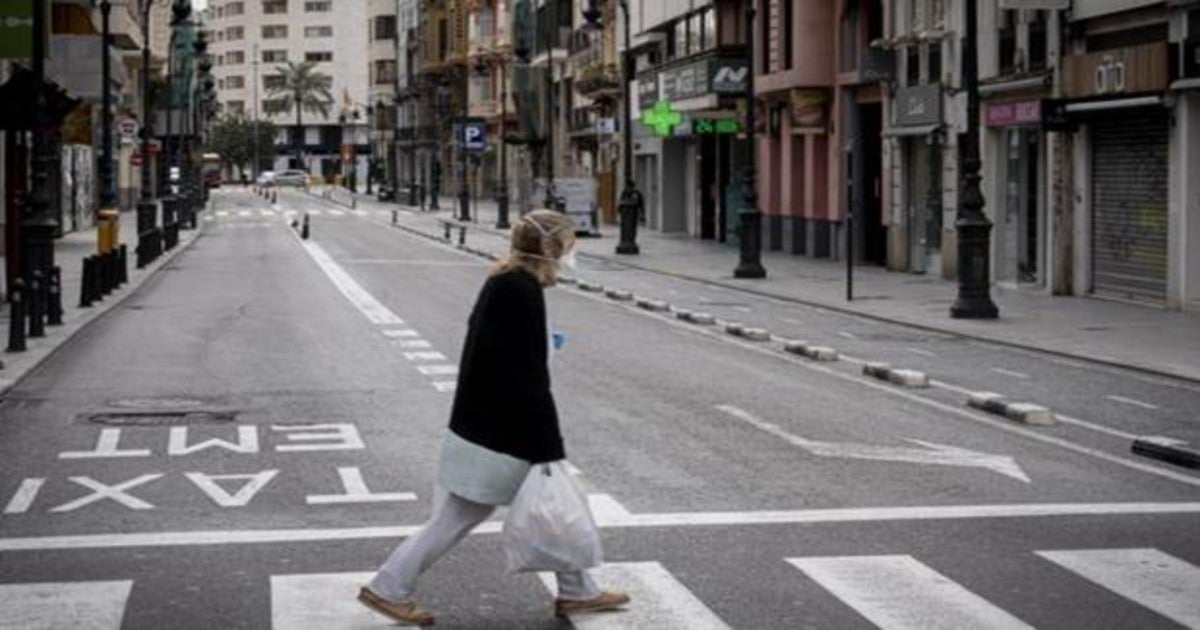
568 260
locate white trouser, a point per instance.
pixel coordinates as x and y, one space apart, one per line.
453 518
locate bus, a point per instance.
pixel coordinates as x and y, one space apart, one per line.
210 170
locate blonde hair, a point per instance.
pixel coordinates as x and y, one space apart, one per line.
538 239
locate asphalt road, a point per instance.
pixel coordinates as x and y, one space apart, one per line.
256 427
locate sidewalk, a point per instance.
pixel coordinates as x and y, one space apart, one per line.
1128 335
69 252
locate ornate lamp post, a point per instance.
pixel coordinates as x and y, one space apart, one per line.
632 202
460 140
109 214
39 226
974 230
147 209
750 265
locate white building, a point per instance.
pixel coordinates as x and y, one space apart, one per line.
252 39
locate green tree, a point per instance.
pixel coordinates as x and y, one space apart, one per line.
299 87
234 139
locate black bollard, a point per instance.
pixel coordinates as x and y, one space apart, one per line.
16 317
37 305
85 285
97 284
105 278
54 314
114 271
123 264
304 228
274 196
394 215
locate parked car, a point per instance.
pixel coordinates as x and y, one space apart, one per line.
291 178
265 178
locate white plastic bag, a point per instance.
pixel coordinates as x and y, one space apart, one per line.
549 525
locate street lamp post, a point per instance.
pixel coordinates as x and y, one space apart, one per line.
550 201
502 194
974 230
147 209
40 225
631 204
460 140
109 214
750 264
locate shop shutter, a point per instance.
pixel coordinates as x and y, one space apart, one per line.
1129 206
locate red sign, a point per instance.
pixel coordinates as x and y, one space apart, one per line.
1013 113
135 159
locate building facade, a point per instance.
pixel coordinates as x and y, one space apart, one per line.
252 40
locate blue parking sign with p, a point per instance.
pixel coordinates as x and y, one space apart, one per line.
475 136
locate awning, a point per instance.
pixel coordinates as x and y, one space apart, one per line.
916 130
1116 103
1186 84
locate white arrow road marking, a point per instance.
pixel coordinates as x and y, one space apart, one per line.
254 483
899 593
81 605
933 453
1163 583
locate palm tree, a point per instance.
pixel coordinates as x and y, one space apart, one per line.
296 86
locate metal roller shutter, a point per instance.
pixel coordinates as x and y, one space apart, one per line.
1129 206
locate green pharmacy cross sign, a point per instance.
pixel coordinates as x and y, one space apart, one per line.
662 118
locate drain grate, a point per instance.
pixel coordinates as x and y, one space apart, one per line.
158 418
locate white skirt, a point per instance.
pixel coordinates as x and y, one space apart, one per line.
479 474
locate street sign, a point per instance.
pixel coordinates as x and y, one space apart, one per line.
474 134
128 128
16 30
135 159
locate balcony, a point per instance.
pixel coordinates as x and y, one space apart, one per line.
484 108
598 81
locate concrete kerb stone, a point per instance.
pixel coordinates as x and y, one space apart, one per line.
700 318
1025 413
1169 452
589 287
618 295
810 351
901 377
652 305
755 334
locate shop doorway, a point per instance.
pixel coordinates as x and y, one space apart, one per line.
1019 234
924 204
874 234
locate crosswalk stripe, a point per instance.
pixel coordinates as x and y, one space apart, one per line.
76 605
222 213
335 213
321 600
438 370
1161 582
426 355
360 213
659 600
244 213
268 213
445 386
898 592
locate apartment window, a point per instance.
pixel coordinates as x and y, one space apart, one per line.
220 12
236 82
318 56
235 108
220 84
235 33
385 27
331 135
235 57
709 28
273 82
1008 41
318 31
220 36
786 31
763 44
274 7
680 37
320 6
385 71
1038 32
274 56
220 60
934 56
275 31
912 65
695 34
272 106
235 8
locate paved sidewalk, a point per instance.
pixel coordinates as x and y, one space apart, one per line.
1130 335
69 252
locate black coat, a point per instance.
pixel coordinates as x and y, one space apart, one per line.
503 401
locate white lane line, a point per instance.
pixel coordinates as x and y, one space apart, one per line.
1131 401
924 353
24 496
1020 375
1158 581
401 333
612 518
83 605
660 600
846 335
425 356
209 218
335 213
413 344
366 303
438 370
445 386
900 593
321 600
316 212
